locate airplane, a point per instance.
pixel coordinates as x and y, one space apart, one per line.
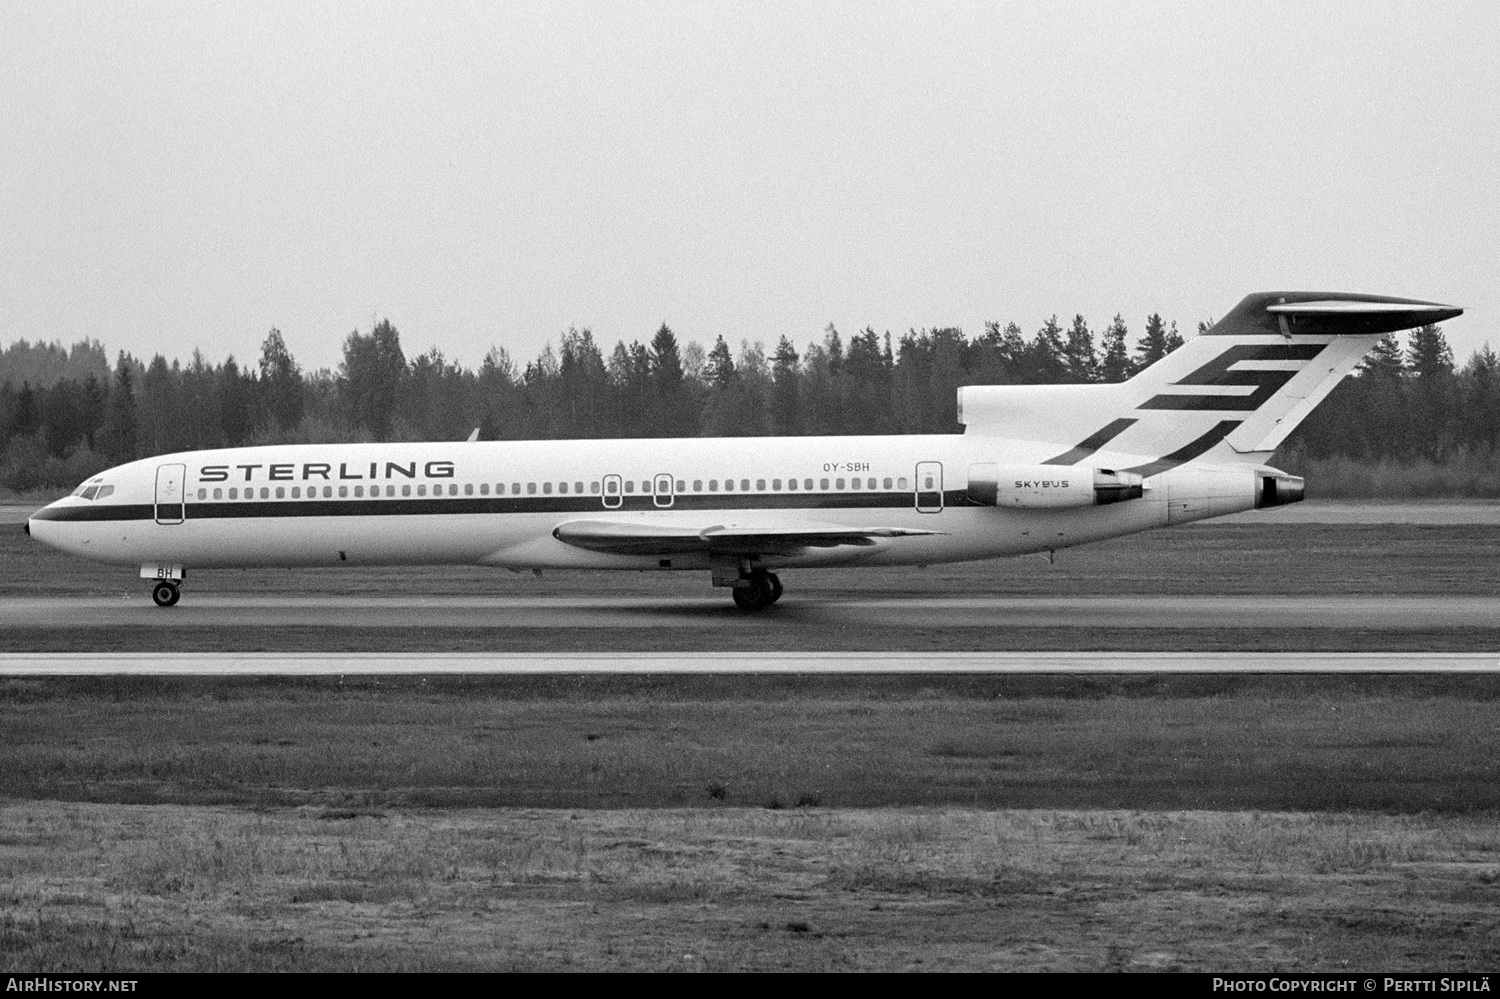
1037 468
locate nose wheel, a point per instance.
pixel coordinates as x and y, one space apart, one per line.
165 594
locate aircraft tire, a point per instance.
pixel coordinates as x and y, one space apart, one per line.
165 594
755 594
775 586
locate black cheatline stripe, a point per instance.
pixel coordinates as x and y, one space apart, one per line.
249 510
1091 443
1188 452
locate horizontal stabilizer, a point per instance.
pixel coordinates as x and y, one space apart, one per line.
1319 313
786 538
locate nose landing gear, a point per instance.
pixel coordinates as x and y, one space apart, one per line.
165 593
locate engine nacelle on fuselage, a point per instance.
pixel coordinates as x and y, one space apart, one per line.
1050 487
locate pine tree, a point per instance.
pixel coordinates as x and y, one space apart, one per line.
786 419
720 369
1385 359
1152 346
1079 357
1045 354
1115 365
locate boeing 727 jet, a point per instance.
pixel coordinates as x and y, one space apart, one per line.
1037 468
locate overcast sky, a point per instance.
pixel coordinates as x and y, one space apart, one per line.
189 175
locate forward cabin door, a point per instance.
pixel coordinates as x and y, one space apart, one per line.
929 487
169 488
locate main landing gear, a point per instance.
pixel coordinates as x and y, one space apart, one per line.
165 593
757 590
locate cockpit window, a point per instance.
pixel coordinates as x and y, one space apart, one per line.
93 490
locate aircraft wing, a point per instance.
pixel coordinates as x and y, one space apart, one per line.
786 538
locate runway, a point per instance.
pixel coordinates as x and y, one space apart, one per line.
708 613
812 663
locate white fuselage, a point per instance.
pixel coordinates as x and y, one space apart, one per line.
498 503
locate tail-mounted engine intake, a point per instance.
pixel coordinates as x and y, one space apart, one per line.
1050 487
1277 489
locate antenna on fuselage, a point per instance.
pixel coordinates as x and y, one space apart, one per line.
473 437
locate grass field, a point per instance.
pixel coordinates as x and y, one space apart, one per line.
203 888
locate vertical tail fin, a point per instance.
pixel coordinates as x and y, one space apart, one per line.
1245 383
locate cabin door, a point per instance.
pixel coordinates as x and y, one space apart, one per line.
929 487
613 496
662 490
169 488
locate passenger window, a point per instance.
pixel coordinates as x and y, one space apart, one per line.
776 485
697 485
807 484
594 488
405 490
515 488
484 488
838 483
234 492
791 484
281 492
343 491
547 488
681 486
297 492
901 482
389 490
578 488
928 483
744 485
713 485
468 489
218 494
887 482
729 485
359 492
871 484
646 486
760 485
854 483
265 492
531 489
203 494
422 489
630 485
823 484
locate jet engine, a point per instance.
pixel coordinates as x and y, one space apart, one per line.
1277 489
1050 487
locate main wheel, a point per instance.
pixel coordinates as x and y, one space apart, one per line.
165 594
754 592
775 586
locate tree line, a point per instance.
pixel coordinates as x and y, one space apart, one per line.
66 414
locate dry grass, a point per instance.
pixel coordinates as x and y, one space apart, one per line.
91 887
1366 743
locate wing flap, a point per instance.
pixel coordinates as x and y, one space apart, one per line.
787 538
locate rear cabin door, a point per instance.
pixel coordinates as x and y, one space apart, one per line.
929 487
169 488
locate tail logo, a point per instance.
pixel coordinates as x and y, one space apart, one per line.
1220 372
